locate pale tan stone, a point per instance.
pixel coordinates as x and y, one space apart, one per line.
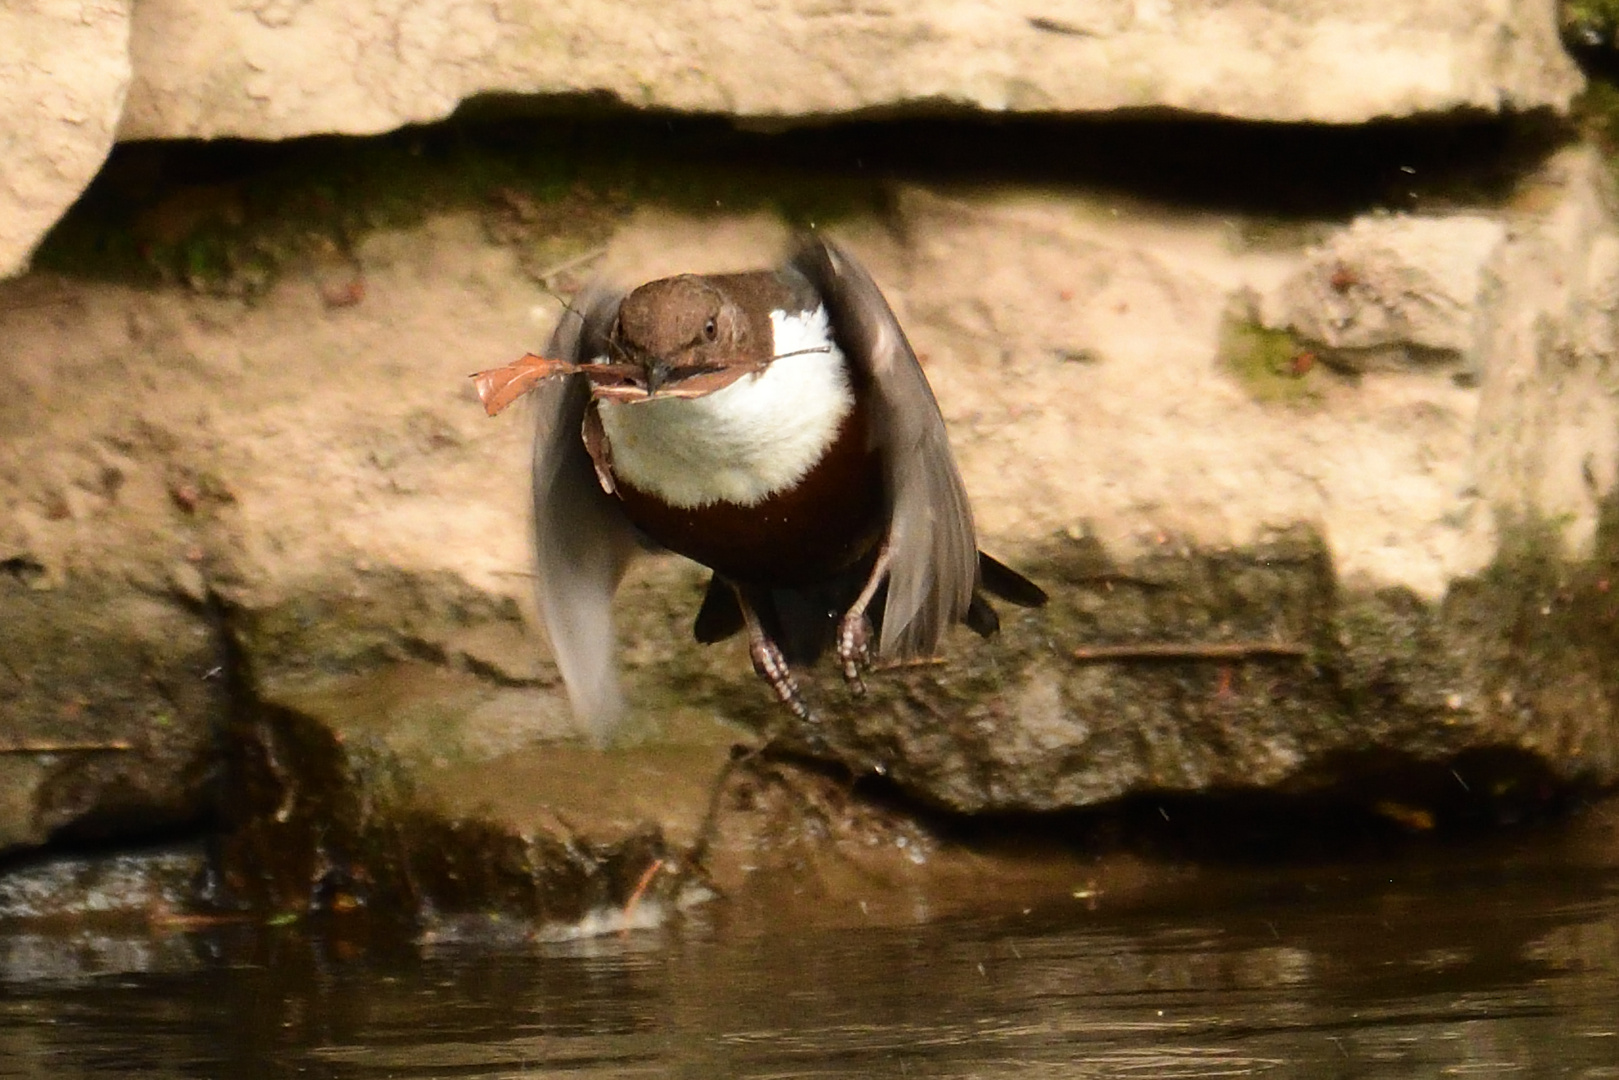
277 68
64 68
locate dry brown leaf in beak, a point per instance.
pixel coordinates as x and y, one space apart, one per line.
499 387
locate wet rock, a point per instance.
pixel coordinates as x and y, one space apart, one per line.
425 796
136 886
1255 670
74 918
110 702
391 797
64 69
303 68
796 842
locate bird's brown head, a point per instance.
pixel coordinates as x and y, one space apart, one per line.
685 336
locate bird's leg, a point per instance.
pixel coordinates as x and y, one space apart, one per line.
854 629
771 665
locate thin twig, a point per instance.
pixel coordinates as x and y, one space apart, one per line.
640 888
544 277
166 919
1166 650
66 747
909 662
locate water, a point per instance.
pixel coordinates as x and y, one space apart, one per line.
1502 964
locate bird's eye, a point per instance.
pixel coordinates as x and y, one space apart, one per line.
711 332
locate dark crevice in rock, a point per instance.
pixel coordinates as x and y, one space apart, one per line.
1369 803
495 675
25 569
125 817
226 215
429 652
240 703
1599 60
1175 156
189 836
1590 31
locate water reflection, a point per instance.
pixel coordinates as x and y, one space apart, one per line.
1442 972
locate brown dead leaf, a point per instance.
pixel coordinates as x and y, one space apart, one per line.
499 387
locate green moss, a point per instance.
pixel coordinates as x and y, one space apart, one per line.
1604 11
1596 111
1589 23
1274 366
1541 632
1393 669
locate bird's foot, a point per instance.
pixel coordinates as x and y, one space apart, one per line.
854 649
772 667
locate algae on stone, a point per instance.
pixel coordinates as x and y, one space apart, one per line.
1273 366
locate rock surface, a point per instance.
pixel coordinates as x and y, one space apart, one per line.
64 69
110 705
1361 473
391 795
77 919
279 68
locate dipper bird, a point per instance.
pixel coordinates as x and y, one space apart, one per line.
775 427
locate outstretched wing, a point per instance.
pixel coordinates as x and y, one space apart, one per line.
583 542
932 546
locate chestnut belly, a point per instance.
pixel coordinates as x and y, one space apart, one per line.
827 523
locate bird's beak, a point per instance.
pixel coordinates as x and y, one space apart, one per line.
657 374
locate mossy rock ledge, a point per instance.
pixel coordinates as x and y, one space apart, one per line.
440 789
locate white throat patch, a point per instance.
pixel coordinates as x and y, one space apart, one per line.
742 444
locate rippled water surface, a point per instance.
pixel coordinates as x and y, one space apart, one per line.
1493 967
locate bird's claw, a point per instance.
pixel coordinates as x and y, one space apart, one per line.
854 649
772 667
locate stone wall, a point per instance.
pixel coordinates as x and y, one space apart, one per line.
279 69
1345 396
64 71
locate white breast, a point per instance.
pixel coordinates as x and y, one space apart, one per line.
756 437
